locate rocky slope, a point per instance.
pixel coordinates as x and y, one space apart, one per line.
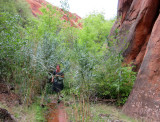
35 5
138 26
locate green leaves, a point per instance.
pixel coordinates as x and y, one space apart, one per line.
117 80
31 48
50 22
10 42
95 31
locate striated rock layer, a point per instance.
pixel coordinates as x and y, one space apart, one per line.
138 26
73 18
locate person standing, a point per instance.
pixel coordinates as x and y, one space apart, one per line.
57 80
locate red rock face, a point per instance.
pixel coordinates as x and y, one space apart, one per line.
37 4
135 23
139 26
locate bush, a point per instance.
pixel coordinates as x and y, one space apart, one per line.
101 76
31 48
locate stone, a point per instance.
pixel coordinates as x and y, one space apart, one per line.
138 26
5 116
134 24
145 95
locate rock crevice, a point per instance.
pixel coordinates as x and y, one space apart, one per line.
135 28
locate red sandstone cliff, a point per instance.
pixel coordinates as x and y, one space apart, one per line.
139 26
35 5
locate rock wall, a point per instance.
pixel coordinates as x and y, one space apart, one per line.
138 27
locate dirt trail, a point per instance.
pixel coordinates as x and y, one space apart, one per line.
57 112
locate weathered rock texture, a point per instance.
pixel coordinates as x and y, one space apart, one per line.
139 26
5 116
71 17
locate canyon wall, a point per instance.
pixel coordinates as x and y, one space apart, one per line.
138 27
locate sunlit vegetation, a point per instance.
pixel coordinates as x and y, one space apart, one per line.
31 47
94 112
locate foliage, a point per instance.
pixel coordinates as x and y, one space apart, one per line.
115 80
11 33
101 76
80 111
23 113
31 48
16 7
97 71
50 21
95 31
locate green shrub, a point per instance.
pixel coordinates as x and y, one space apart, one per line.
97 71
31 48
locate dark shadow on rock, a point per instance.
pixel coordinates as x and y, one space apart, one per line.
5 116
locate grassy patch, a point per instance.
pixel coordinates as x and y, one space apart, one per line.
78 110
23 113
104 112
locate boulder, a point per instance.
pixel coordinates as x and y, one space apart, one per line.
5 116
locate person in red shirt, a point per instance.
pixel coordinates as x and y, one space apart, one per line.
57 80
